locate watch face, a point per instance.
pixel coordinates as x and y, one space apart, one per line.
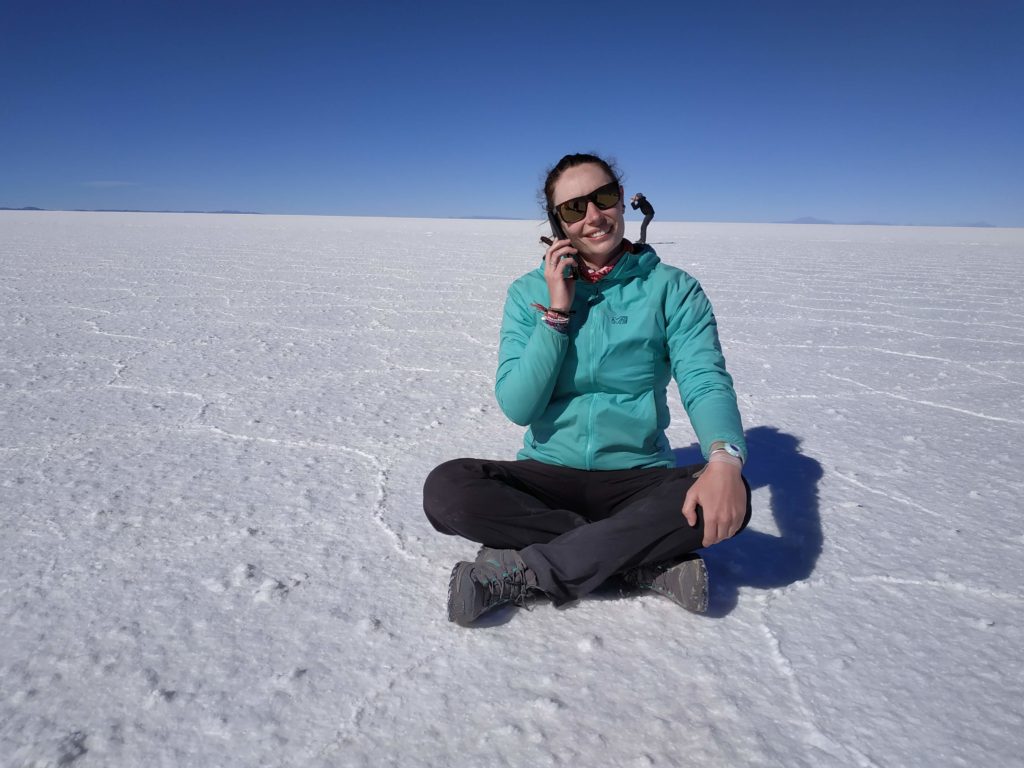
733 450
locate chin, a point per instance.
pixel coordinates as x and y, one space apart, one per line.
603 248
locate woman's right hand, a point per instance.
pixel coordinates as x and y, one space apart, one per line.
561 289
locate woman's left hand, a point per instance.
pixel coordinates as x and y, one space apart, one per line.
722 496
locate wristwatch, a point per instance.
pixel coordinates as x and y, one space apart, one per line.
729 448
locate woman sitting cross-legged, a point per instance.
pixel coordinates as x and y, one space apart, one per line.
584 363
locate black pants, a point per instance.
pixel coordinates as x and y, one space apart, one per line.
573 528
643 228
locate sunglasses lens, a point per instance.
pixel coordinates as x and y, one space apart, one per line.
572 211
604 198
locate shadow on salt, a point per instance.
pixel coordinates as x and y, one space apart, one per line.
764 560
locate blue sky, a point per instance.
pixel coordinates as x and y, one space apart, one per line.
902 112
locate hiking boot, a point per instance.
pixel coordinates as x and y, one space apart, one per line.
685 583
477 587
486 553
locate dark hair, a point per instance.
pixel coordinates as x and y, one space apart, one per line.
571 161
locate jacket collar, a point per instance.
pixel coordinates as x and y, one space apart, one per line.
637 261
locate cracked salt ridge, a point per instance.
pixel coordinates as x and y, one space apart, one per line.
968 365
377 510
928 403
339 652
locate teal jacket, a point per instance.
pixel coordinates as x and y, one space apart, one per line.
595 397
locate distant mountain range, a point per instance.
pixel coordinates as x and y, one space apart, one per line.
119 210
801 220
812 220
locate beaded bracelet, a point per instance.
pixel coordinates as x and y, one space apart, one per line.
563 312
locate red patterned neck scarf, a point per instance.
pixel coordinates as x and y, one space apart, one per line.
593 275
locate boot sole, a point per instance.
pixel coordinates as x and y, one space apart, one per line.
452 591
685 584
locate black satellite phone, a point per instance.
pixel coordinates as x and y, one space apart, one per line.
556 226
559 234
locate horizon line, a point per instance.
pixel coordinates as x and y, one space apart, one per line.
803 220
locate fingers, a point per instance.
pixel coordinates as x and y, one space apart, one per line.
713 533
559 264
557 246
722 499
720 525
716 520
559 255
714 529
710 537
690 508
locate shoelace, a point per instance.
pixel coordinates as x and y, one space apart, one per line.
510 588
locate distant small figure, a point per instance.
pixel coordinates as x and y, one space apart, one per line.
641 202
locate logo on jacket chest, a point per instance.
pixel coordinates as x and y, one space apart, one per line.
618 319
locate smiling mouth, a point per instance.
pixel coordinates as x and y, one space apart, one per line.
599 235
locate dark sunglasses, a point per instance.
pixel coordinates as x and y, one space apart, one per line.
604 198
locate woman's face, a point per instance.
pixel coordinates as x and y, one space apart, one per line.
597 235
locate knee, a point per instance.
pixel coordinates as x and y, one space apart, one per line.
443 489
444 477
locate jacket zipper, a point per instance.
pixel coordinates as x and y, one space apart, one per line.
594 300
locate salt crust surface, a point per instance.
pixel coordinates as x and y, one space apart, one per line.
213 436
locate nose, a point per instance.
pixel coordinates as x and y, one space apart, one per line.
594 214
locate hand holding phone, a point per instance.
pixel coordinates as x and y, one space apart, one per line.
571 272
560 272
